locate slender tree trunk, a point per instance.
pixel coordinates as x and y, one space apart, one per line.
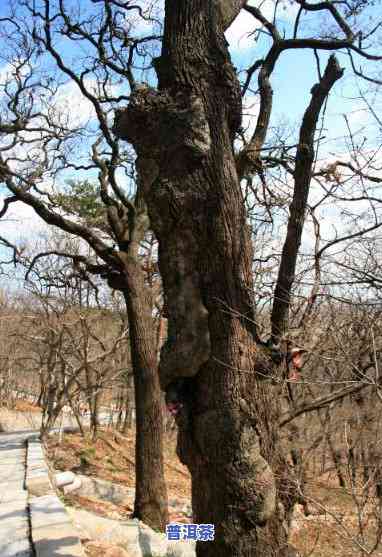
48 414
119 408
336 456
79 423
49 421
151 504
352 465
93 407
41 394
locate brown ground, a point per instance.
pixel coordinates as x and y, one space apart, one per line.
342 523
100 549
22 415
111 457
25 406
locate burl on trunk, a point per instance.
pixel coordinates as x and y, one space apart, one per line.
183 134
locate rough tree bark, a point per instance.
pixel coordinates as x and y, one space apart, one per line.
151 492
151 503
183 135
123 272
188 170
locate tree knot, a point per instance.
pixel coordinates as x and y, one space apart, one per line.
165 126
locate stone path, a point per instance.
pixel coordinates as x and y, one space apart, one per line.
14 514
33 521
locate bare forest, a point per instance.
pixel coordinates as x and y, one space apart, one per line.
190 260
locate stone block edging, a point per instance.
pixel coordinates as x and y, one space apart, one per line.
52 531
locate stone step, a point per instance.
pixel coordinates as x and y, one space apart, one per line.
14 507
34 511
15 548
11 468
14 517
9 455
37 477
8 495
14 525
53 533
12 485
14 530
13 476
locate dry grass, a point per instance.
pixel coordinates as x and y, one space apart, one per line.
111 457
337 527
25 406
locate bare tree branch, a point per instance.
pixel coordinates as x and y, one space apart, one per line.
302 179
322 401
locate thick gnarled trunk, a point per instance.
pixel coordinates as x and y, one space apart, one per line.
228 436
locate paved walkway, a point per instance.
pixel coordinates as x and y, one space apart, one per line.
33 520
14 512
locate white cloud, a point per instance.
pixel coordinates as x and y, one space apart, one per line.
67 106
240 33
251 107
250 112
70 104
6 73
153 13
67 109
21 225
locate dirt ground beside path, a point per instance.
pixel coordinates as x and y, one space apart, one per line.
111 458
323 534
23 416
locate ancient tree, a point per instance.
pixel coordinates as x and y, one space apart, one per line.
221 375
226 378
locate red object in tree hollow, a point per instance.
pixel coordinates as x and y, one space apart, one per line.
174 407
294 376
297 363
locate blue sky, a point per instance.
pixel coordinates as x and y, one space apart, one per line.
295 73
292 79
